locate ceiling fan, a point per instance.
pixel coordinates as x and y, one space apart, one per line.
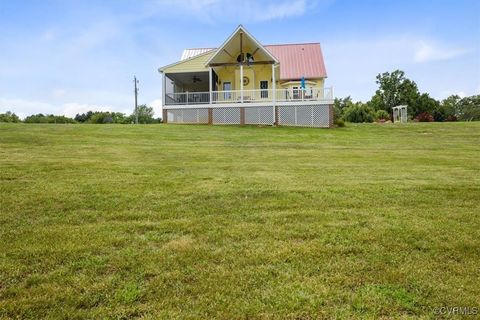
196 79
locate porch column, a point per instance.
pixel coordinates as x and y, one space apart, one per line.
164 115
241 83
274 94
210 83
330 115
242 115
164 111
163 89
210 116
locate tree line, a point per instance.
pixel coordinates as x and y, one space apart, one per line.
395 89
145 116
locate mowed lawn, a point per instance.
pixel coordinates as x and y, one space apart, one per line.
172 221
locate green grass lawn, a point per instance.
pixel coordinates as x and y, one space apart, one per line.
172 221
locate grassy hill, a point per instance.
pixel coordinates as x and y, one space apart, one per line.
166 221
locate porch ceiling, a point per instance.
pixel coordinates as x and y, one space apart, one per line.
187 79
240 41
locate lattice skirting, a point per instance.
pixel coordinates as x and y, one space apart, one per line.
188 116
226 115
300 115
259 115
305 116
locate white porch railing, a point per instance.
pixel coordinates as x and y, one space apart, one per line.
249 96
186 98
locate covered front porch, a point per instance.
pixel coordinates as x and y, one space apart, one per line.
190 96
222 84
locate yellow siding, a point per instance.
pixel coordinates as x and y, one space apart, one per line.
190 65
255 74
226 74
263 73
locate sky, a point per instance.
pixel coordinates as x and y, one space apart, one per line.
71 56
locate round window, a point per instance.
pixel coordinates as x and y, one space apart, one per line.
246 81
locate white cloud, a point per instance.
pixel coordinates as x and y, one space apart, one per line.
157 107
278 10
23 107
47 36
426 52
94 35
212 11
58 93
71 109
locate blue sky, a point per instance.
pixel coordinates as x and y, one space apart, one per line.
70 56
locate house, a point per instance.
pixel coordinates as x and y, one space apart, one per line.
245 82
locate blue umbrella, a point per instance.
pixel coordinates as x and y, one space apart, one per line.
303 83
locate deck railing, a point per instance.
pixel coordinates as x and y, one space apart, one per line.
249 96
187 98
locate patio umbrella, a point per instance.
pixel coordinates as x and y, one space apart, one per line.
302 85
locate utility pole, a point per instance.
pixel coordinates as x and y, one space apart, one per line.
136 93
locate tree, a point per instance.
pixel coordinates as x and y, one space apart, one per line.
9 117
340 105
469 108
394 89
108 117
84 117
99 117
426 105
376 103
49 118
145 114
450 107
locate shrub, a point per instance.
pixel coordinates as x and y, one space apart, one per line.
339 123
451 118
359 112
340 105
100 117
382 115
424 117
49 118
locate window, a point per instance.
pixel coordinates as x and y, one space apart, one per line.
264 89
296 93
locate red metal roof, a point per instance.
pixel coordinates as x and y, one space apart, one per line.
297 60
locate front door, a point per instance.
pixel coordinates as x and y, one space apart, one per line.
264 89
227 86
296 93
